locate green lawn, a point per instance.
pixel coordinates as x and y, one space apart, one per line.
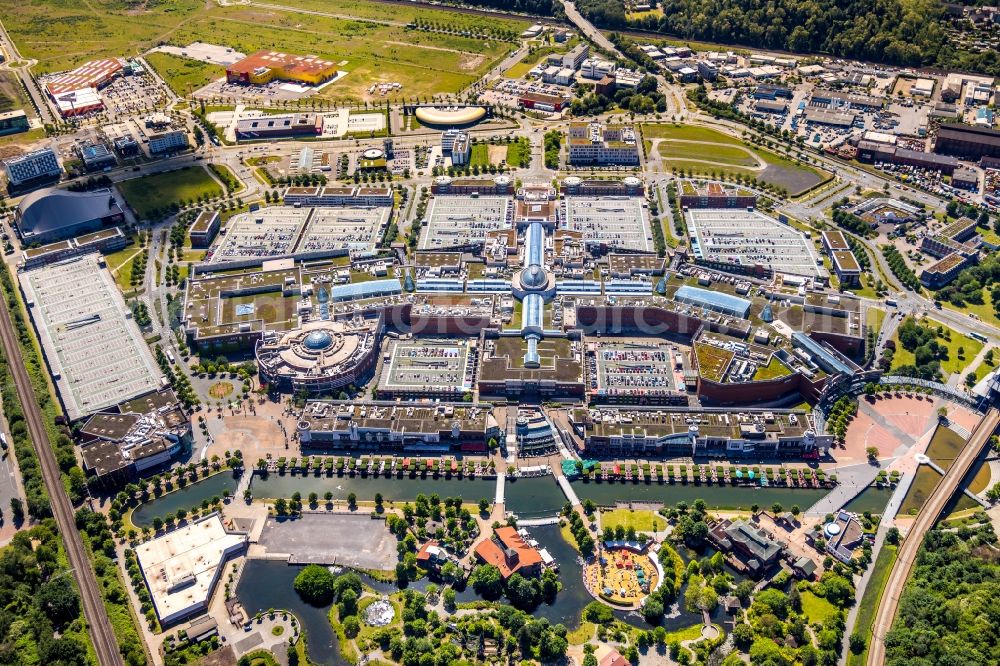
774 369
953 363
480 155
816 609
984 369
682 151
869 602
984 310
157 191
867 288
183 75
875 318
643 521
518 152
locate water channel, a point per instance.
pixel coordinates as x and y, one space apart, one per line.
609 493
186 498
872 498
397 488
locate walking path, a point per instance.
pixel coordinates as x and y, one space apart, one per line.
500 488
535 522
568 490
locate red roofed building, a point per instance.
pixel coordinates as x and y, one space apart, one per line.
508 552
608 656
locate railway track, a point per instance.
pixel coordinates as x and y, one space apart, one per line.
99 626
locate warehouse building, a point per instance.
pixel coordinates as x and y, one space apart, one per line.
182 567
266 66
88 335
75 92
49 215
968 141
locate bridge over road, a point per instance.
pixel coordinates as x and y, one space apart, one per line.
928 515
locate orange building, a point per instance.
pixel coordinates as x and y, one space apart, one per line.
266 66
508 552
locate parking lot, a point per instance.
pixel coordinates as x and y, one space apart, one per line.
435 364
460 221
339 228
748 238
268 232
633 367
354 541
613 222
132 95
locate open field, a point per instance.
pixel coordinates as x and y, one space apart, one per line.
816 609
370 40
706 151
869 602
642 521
158 191
12 95
183 75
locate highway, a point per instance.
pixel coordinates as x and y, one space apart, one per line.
929 514
101 634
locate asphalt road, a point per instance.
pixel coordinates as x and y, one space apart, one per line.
101 634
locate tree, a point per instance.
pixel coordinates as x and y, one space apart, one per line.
484 505
487 581
352 501
652 612
348 603
857 643
59 601
351 626
743 635
872 453
449 596
315 584
17 509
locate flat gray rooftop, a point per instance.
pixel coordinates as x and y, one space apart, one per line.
94 349
615 222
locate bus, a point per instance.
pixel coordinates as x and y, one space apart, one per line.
170 357
978 336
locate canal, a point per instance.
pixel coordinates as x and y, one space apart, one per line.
534 497
393 489
609 493
188 497
872 498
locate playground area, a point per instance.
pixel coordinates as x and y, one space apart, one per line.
621 575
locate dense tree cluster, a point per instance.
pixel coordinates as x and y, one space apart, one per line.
968 286
948 612
40 618
852 222
523 593
642 99
899 268
841 415
893 31
922 342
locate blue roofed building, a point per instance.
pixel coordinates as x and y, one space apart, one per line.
50 215
714 301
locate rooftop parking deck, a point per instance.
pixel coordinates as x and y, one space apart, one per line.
460 221
619 223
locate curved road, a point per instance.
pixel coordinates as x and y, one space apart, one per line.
929 514
101 634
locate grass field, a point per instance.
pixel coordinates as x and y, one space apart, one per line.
875 317
370 40
518 152
183 75
480 155
869 602
12 95
683 151
158 191
953 363
643 521
729 158
816 609
984 310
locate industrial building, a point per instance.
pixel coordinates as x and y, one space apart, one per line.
969 142
266 66
75 92
598 144
49 215
88 335
182 566
121 443
32 169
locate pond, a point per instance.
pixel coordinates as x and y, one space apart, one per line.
534 497
187 497
609 493
267 584
396 488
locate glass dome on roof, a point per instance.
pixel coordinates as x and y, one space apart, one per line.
534 277
318 340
